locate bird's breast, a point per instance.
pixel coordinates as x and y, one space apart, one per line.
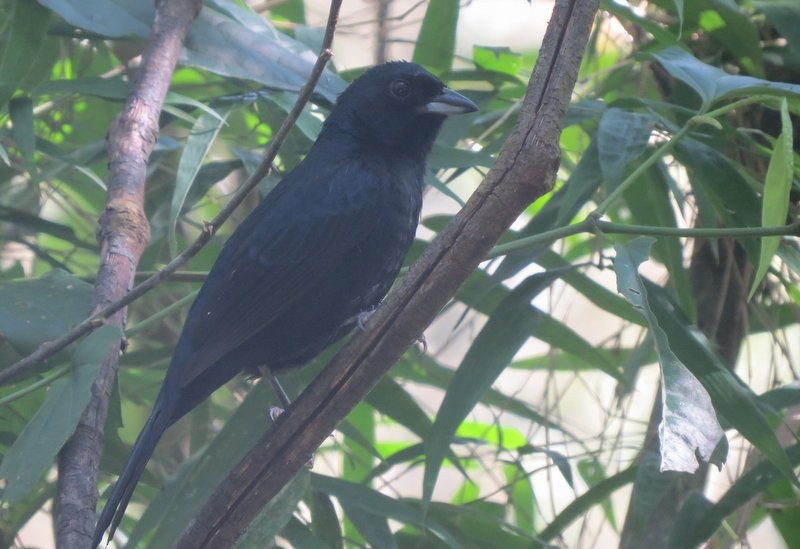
384 249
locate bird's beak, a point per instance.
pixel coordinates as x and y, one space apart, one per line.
449 102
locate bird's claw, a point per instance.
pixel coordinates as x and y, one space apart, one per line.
275 412
363 317
422 343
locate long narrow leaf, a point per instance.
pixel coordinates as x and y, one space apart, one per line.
777 186
505 332
203 134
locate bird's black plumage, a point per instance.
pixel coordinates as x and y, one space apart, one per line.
325 245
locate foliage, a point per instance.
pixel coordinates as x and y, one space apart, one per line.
683 129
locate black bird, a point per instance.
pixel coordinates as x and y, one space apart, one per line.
323 247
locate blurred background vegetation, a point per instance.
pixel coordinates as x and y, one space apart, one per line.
533 416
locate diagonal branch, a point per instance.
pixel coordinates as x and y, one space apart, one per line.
525 170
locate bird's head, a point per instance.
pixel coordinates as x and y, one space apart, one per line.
398 105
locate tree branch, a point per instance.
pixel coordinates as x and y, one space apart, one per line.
123 234
525 169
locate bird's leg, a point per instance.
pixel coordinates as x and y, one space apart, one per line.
363 317
276 411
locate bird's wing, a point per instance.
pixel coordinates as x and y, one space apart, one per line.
311 220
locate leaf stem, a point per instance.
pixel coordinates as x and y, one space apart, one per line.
600 226
28 389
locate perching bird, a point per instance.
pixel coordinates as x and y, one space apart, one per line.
323 247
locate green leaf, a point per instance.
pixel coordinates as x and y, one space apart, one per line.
273 518
484 294
427 371
785 511
785 16
595 292
593 473
468 491
501 60
357 456
559 335
508 328
578 508
679 11
369 500
26 23
622 137
374 528
21 111
777 186
95 86
307 123
113 18
324 521
713 84
651 204
199 142
733 28
521 496
433 181
34 451
293 10
174 98
649 488
733 400
36 310
30 222
298 535
689 428
583 182
722 191
699 518
390 398
480 524
437 37
209 175
233 41
226 39
561 462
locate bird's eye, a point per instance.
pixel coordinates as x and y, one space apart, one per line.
400 89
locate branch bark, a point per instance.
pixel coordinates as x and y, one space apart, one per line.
525 170
123 234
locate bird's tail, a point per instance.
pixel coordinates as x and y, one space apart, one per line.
123 490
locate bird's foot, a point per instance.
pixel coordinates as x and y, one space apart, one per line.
422 344
275 412
363 317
